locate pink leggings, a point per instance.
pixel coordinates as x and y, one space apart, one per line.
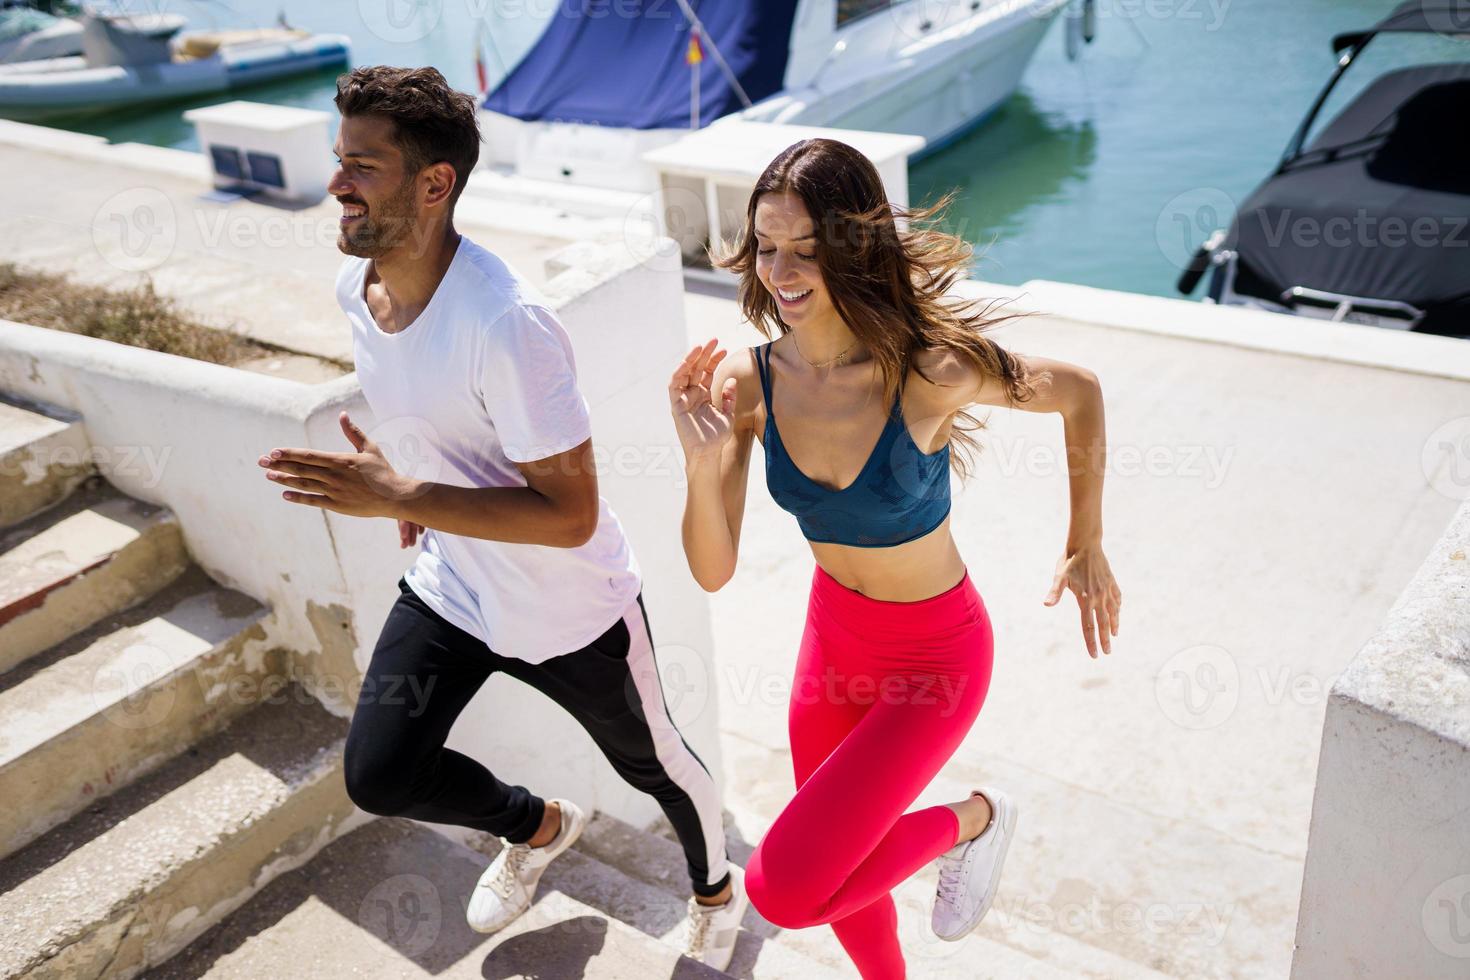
884 694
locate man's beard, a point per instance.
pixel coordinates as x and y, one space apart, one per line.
382 229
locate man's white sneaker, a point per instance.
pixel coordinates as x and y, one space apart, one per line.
710 930
970 871
505 889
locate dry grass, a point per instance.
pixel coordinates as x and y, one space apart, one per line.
138 317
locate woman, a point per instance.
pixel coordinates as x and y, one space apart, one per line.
895 659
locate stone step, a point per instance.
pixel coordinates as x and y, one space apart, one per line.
119 699
97 553
388 900
44 455
139 875
641 878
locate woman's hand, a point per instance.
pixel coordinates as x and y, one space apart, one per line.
408 533
703 427
1085 571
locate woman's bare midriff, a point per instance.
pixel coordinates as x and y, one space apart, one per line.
907 572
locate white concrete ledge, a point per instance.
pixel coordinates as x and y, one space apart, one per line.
179 163
1348 343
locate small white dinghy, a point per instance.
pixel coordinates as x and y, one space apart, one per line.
133 59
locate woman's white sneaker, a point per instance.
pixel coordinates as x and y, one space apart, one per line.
970 871
505 889
710 930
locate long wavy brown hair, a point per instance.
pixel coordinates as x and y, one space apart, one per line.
889 271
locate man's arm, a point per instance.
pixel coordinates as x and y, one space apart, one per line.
558 506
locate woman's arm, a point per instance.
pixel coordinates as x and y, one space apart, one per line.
1075 393
717 443
714 511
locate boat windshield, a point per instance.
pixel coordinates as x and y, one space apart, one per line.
849 10
19 21
1385 54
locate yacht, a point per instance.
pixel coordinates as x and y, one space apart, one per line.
601 87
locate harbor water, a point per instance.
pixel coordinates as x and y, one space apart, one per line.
1105 171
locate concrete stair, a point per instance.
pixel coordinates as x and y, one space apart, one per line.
43 456
123 696
388 900
63 569
157 768
133 879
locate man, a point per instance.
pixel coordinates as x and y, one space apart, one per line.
524 568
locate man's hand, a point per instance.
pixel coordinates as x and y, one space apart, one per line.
359 484
408 533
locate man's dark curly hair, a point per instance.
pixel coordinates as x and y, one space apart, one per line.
432 122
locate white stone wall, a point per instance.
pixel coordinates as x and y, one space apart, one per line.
1386 889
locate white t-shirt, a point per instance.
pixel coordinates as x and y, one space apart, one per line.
483 379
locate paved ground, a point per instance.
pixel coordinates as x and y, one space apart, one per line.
259 268
1262 514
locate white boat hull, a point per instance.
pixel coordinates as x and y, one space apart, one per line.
938 88
885 73
65 86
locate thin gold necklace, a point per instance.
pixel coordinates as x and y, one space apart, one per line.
818 364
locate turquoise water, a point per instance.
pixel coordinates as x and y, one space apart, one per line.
1105 171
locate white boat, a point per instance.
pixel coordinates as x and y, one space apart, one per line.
135 59
29 35
595 93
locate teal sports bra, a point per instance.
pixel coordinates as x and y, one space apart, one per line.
901 493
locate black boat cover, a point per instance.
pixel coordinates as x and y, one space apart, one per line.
1378 205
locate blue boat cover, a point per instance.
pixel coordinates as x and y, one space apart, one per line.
623 62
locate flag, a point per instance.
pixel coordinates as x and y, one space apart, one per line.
695 55
480 66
